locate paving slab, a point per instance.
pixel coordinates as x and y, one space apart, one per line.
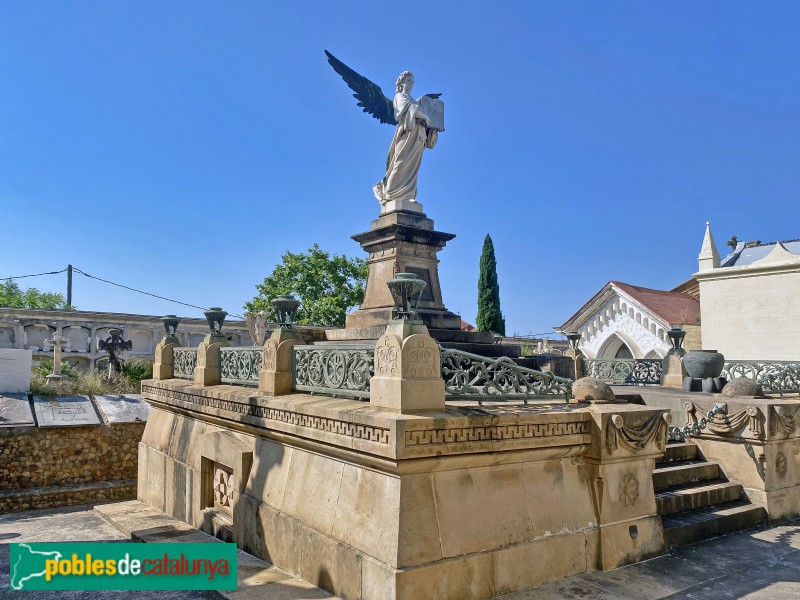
15 411
127 408
65 411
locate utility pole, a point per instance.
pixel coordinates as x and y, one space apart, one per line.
69 285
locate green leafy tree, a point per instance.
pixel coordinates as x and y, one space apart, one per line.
489 316
12 296
326 285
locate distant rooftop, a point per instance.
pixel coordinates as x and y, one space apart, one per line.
746 253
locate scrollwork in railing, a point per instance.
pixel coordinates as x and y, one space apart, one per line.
470 376
184 360
340 370
773 376
240 364
639 371
679 434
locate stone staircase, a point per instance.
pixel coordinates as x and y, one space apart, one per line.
695 499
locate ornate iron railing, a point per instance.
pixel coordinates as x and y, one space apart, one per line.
334 370
639 371
474 377
240 364
772 375
184 360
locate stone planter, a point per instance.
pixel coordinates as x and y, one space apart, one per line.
703 364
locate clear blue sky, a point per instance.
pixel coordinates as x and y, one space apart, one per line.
182 147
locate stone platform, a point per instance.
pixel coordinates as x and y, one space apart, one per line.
468 502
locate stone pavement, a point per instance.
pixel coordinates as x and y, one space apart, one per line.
759 564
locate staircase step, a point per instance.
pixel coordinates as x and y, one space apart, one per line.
683 473
704 523
699 495
679 451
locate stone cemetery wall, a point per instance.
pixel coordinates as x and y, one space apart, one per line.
43 466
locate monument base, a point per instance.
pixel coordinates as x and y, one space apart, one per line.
373 504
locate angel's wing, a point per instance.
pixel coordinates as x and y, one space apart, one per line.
369 95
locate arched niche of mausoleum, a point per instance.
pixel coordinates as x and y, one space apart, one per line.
195 339
616 348
101 364
79 338
653 354
8 336
141 341
36 334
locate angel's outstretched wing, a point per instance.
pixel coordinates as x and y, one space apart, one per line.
369 95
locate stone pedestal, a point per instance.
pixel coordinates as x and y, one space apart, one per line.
407 370
207 371
577 362
673 372
275 376
402 239
163 365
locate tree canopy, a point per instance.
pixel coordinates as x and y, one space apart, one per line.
327 285
489 316
12 296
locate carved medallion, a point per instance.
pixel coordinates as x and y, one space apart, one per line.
222 487
781 465
628 489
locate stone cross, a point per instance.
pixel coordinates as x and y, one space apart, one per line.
115 346
57 343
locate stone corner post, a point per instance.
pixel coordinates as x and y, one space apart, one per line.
408 375
626 442
275 376
207 371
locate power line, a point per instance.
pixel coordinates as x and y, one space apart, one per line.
35 275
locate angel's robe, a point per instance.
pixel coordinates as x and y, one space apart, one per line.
405 154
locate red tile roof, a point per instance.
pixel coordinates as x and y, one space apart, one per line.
466 326
675 308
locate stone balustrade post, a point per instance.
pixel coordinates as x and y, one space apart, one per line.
408 376
164 361
626 442
207 370
275 376
577 363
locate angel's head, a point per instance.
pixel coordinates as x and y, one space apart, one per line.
406 78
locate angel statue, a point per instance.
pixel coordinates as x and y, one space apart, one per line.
418 125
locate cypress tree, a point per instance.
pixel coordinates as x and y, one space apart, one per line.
489 316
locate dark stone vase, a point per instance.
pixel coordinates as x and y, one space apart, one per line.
703 364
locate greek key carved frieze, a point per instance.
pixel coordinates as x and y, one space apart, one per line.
354 430
428 437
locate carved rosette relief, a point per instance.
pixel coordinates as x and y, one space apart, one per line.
781 465
628 489
420 357
270 354
387 356
223 488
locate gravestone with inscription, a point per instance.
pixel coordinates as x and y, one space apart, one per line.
15 370
15 411
65 411
128 408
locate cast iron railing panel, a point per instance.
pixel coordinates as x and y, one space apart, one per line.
771 375
473 377
184 360
334 370
240 364
621 371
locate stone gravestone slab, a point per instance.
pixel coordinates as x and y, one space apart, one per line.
128 408
15 411
15 370
65 411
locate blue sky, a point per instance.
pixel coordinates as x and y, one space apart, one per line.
182 147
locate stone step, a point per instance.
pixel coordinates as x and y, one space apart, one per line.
704 523
678 451
700 495
673 475
66 495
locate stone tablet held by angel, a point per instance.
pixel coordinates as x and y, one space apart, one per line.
418 123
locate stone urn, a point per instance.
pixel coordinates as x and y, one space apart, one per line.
703 364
